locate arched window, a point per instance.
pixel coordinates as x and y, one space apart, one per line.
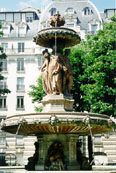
52 11
87 11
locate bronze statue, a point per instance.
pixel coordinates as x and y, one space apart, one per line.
57 21
55 158
44 69
57 73
56 70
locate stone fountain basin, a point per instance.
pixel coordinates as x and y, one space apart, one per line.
58 123
65 37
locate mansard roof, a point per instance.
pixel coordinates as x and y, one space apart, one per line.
31 27
77 5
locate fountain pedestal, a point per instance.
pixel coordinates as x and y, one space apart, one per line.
57 103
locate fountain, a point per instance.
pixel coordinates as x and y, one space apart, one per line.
57 127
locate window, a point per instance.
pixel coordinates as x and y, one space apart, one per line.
20 84
22 31
53 11
9 17
2 17
17 17
20 102
3 83
6 30
70 10
2 141
20 47
29 17
2 102
4 65
20 64
4 46
94 28
71 25
87 11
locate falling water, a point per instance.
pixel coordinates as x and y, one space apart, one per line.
17 134
18 129
55 39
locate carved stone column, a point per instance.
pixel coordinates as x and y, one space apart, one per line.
41 160
73 163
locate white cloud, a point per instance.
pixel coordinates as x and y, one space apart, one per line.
35 3
44 3
24 4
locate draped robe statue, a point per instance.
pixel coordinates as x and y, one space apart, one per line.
56 73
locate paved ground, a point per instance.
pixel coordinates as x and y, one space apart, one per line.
96 169
24 171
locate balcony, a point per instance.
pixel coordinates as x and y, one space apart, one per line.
17 51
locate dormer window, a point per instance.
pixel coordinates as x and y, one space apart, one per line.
29 17
22 29
53 11
87 11
94 28
6 29
70 10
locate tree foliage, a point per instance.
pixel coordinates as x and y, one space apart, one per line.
2 57
37 91
95 77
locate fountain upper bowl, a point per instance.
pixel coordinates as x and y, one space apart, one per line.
64 37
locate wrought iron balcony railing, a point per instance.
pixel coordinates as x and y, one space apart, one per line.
20 51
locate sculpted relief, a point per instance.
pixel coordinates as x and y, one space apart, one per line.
57 73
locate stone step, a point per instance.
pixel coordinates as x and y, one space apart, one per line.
111 153
112 158
109 143
109 139
22 170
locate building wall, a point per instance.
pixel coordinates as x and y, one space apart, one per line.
20 32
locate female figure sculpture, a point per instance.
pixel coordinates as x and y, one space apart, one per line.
56 73
56 70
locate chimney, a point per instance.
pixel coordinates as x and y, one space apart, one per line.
3 9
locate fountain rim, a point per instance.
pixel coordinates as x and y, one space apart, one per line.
35 124
94 115
67 36
58 28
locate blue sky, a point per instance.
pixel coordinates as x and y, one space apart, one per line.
13 5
